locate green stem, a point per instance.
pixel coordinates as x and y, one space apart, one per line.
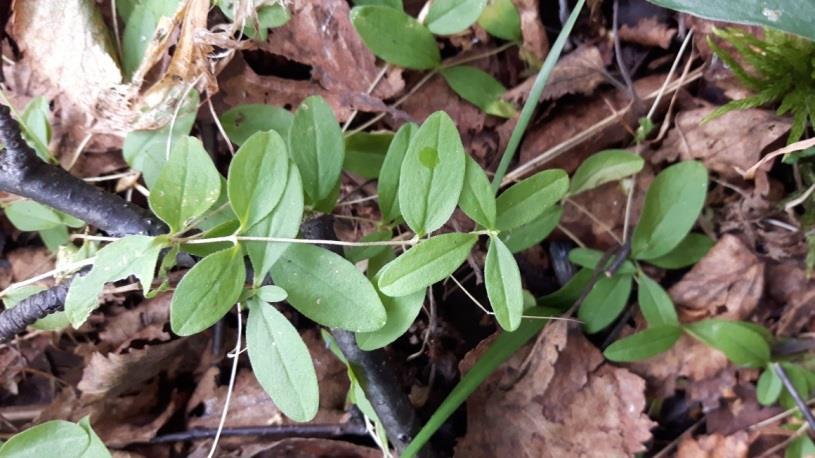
534 96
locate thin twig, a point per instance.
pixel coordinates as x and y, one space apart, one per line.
796 396
235 356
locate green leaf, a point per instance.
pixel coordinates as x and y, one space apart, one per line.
643 344
205 249
689 251
479 88
787 15
27 215
317 147
268 16
769 387
187 186
55 438
477 200
428 262
207 292
365 153
271 293
605 302
504 288
281 362
395 4
328 289
146 150
409 44
140 28
376 263
449 17
527 200
36 128
432 174
800 447
402 312
798 378
257 177
133 255
672 204
242 121
356 254
586 257
530 234
283 221
388 183
742 345
603 167
54 238
500 18
655 304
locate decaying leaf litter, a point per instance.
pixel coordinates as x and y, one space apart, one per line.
147 391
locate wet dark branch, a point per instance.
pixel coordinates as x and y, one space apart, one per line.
24 174
14 321
354 427
376 374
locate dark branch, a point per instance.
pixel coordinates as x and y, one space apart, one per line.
14 321
350 428
379 383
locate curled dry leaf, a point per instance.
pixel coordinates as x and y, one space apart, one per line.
320 36
722 144
727 283
579 72
648 31
569 403
714 446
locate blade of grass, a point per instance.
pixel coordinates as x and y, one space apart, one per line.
534 96
504 346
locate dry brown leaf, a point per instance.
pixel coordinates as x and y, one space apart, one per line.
648 31
569 403
579 72
535 41
28 262
436 95
126 325
714 446
117 373
297 447
735 139
789 286
728 283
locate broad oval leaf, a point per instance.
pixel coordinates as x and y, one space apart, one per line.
800 447
133 255
527 235
741 344
388 183
449 17
527 200
504 287
690 250
788 15
146 150
187 186
328 289
428 262
402 312
605 302
207 292
281 362
140 28
479 88
365 153
70 439
36 128
568 294
672 204
644 344
586 257
317 147
500 18
477 200
27 215
603 167
769 387
257 177
242 121
655 303
432 174
283 221
271 293
356 254
409 44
